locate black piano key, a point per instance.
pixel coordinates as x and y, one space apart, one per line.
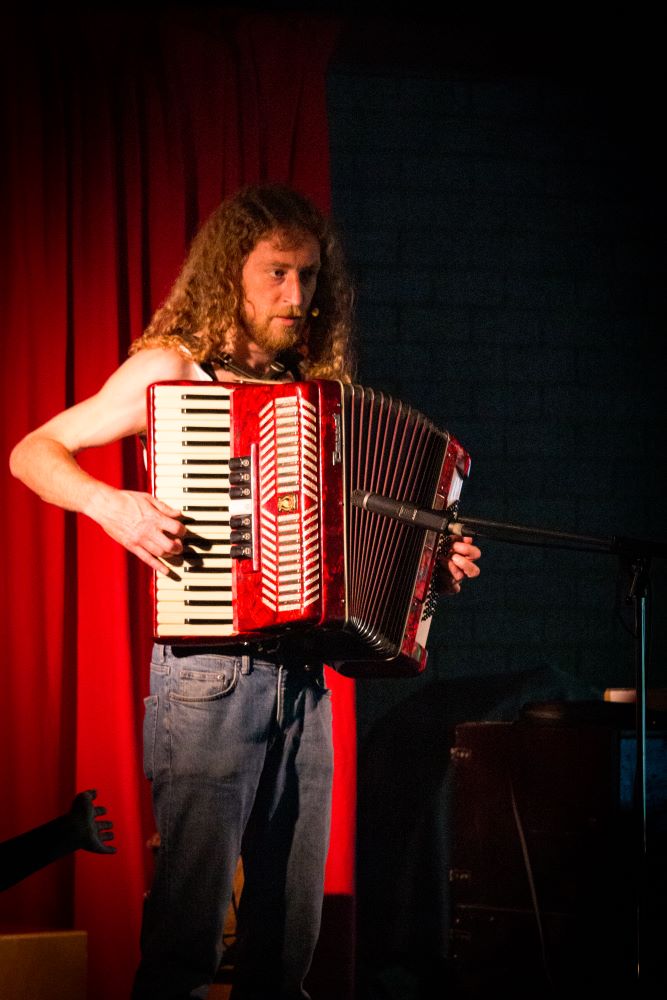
205 461
199 507
204 522
206 621
203 489
196 429
208 604
201 475
200 569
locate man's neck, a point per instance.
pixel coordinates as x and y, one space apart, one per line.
257 360
251 362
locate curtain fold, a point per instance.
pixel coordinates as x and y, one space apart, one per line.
121 133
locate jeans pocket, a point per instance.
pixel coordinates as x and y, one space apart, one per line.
150 731
193 686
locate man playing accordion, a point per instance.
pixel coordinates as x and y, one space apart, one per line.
238 746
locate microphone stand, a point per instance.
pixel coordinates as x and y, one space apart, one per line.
634 553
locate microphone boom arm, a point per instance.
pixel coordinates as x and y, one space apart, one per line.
450 521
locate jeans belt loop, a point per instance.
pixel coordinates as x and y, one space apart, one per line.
246 664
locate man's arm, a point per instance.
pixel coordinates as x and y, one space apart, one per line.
45 459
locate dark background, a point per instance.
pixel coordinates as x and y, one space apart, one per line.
499 189
503 207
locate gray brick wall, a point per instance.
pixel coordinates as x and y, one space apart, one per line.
506 237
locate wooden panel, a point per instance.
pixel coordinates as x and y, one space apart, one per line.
49 965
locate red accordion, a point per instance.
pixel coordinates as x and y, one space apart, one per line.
275 550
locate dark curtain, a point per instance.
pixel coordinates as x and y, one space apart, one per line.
121 132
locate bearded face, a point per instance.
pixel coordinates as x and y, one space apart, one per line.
279 279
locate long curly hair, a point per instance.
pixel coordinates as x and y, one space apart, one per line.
203 311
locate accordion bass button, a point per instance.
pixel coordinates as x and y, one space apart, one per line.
241 552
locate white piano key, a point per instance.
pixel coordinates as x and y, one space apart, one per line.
216 533
221 608
175 421
165 617
165 400
178 497
167 483
175 456
178 630
185 438
221 579
176 596
203 546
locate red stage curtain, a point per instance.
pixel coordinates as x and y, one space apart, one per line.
121 132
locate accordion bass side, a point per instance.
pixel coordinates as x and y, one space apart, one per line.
263 474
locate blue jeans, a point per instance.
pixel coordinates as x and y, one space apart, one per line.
239 753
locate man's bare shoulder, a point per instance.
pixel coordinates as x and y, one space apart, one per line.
122 398
118 409
156 364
